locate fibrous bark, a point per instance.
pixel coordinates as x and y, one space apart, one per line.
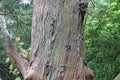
57 49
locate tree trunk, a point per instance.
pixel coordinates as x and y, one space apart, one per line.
57 50
57 45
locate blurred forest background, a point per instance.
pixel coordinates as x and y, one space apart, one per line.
101 32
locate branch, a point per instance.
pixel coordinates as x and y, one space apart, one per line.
19 62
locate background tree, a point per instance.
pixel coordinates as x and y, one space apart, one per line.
102 35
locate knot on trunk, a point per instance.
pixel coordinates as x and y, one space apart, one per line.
88 73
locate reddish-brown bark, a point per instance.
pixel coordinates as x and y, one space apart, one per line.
57 49
19 62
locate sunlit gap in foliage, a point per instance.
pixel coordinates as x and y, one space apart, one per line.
26 1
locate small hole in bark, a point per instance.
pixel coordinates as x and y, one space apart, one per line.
68 47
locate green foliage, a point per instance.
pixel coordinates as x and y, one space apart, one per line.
102 38
18 19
